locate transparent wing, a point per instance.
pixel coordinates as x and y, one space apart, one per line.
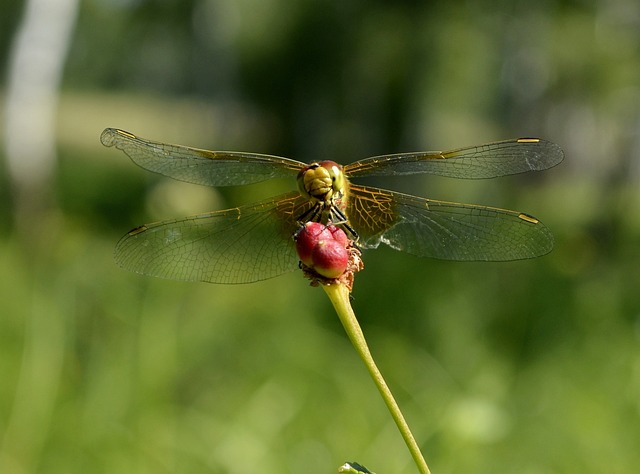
484 161
212 168
444 230
240 245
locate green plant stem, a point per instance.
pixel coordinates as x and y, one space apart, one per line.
339 296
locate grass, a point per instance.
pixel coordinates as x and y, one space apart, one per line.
524 367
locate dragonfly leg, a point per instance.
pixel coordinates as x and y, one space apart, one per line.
335 216
314 214
338 218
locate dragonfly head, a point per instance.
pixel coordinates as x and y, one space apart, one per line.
322 181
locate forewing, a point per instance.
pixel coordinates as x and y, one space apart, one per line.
212 168
239 245
444 230
484 161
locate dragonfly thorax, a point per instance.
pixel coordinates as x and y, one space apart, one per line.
322 182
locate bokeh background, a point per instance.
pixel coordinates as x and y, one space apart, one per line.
526 367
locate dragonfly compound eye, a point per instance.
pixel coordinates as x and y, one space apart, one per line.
321 180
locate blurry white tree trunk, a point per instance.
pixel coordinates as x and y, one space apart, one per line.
35 70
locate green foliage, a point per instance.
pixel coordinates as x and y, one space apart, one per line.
523 367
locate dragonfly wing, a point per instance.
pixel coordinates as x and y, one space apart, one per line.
240 245
444 230
211 168
484 161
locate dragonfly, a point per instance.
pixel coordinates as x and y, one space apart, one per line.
256 241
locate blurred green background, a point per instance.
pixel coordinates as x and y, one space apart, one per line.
521 367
